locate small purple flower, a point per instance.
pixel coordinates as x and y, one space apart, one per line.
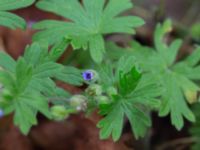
1 113
88 75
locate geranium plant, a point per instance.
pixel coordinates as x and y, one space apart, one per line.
129 85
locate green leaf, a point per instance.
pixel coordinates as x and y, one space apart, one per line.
23 74
54 29
9 19
122 25
159 33
173 50
172 98
58 49
97 49
167 53
189 88
194 58
48 69
128 81
43 85
147 92
136 93
7 79
114 52
70 75
115 7
189 67
175 77
89 22
24 117
112 123
138 119
7 62
38 102
142 55
125 64
13 4
106 74
26 108
28 84
35 54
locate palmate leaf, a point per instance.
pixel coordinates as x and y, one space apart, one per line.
45 65
88 23
13 4
112 124
29 83
7 62
26 108
176 77
172 98
127 75
23 75
11 20
141 92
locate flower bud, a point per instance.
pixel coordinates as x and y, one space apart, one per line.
101 100
79 102
59 113
94 90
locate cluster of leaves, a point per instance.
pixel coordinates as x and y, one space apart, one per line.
163 83
88 23
28 83
176 77
135 95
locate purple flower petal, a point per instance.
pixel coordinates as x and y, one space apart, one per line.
1 113
88 75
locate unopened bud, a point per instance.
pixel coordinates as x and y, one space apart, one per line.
101 100
59 113
79 102
94 90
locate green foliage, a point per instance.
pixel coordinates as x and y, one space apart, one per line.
134 93
11 20
28 83
176 77
88 23
129 84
